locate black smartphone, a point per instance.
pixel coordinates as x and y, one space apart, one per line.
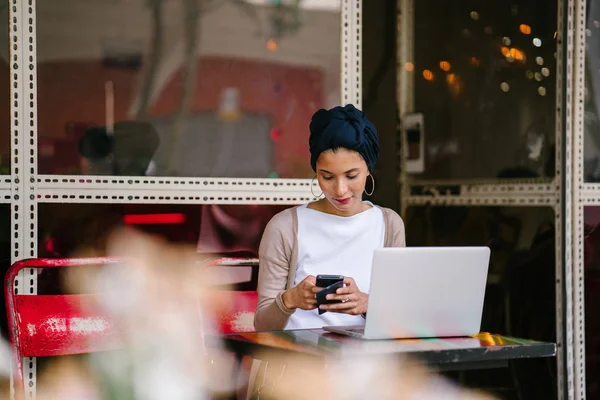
327 280
329 283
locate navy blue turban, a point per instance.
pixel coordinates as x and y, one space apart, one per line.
346 127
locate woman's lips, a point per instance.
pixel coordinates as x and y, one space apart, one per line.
343 201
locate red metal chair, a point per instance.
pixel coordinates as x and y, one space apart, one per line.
237 311
242 300
238 315
53 325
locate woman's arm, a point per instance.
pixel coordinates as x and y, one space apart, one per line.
274 264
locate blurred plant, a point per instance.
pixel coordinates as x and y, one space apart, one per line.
163 305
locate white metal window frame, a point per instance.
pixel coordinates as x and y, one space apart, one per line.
583 194
566 193
24 189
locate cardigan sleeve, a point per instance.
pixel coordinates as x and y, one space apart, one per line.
275 253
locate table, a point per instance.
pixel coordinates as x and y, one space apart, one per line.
445 354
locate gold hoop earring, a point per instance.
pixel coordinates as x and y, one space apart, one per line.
312 183
373 189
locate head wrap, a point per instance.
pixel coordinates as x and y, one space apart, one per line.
346 127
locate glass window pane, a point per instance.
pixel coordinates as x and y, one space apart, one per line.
72 230
69 229
5 236
484 79
82 230
4 92
592 298
144 88
520 294
591 148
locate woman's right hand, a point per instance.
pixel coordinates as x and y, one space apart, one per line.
301 296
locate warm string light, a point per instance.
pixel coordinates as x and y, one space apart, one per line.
512 54
272 45
445 66
525 29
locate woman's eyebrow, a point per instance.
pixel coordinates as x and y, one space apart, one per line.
347 172
324 170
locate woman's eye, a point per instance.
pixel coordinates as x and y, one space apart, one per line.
328 178
353 177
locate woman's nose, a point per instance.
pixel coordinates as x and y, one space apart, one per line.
340 188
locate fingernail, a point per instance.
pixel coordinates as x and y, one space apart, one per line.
328 297
321 307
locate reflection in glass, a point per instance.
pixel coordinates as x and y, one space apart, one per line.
484 79
4 91
216 231
210 88
70 229
592 298
5 235
520 292
591 148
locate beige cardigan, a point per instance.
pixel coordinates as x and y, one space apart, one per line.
278 256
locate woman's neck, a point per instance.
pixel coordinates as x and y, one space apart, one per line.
325 206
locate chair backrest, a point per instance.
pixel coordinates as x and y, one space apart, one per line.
237 271
52 325
239 316
241 302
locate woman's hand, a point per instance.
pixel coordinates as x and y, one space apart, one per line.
354 302
302 295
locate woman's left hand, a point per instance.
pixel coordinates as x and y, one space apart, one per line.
354 302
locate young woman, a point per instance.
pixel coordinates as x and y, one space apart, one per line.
335 235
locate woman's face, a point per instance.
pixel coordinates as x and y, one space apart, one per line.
342 175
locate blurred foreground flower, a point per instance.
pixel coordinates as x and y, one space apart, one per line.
164 306
356 377
160 300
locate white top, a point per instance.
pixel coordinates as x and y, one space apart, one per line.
332 245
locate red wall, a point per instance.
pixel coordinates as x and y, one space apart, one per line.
73 91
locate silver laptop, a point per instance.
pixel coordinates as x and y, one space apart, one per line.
422 292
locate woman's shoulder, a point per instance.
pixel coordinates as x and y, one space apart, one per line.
283 221
391 216
284 217
280 230
395 236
